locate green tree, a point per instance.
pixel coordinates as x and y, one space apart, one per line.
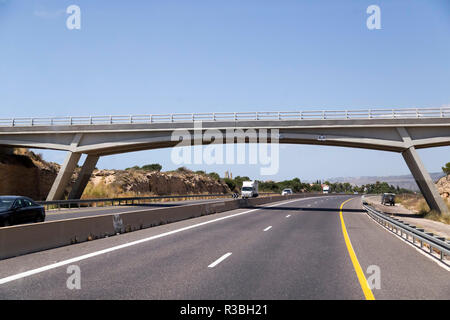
446 169
133 168
152 167
214 175
231 183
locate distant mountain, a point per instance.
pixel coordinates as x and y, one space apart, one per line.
403 181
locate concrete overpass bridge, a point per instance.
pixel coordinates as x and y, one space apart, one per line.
396 130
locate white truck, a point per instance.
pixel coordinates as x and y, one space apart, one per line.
249 189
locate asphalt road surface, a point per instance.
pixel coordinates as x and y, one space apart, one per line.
292 249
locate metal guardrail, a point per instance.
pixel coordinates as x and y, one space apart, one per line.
82 203
233 116
418 237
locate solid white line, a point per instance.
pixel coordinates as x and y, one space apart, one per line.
418 249
215 263
129 244
268 228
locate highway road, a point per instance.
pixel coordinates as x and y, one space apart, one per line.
293 249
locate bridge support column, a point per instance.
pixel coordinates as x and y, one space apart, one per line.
83 177
63 177
421 175
424 181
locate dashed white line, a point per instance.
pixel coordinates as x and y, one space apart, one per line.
268 228
128 244
215 263
288 216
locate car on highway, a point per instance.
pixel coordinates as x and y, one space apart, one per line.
388 199
18 210
286 192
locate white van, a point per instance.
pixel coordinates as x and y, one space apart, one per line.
249 189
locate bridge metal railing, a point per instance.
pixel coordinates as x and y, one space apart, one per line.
82 203
418 237
409 113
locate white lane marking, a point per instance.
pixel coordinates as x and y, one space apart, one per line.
129 244
288 216
268 228
215 263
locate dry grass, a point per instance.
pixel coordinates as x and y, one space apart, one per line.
102 190
418 205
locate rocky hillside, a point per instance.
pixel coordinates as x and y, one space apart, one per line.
25 173
107 183
443 186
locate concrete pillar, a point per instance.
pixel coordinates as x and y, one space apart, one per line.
83 177
63 177
421 175
424 181
66 171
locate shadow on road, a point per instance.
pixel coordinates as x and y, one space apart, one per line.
307 209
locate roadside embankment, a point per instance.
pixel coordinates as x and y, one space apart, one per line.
410 217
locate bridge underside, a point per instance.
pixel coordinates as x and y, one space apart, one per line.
402 136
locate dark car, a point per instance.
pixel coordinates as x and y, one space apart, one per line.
388 199
17 210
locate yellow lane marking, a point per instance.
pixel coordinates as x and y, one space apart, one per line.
359 272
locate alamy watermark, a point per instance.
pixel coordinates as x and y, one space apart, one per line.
74 19
74 280
374 280
374 20
213 146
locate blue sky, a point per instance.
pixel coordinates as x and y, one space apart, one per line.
143 57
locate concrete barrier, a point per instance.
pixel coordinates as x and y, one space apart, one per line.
24 239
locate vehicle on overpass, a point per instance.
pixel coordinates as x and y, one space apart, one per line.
286 192
388 199
249 189
17 210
